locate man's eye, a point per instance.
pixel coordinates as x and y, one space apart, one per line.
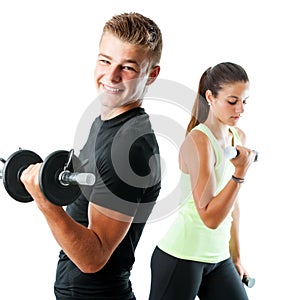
128 68
104 61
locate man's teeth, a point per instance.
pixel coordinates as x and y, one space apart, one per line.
111 89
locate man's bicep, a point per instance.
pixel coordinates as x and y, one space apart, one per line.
110 226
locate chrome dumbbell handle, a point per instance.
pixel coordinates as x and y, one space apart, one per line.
66 178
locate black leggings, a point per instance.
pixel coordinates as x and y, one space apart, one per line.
179 279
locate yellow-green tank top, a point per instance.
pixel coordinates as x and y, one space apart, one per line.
188 237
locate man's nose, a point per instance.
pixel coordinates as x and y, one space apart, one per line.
114 73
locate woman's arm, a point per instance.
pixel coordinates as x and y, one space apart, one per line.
234 244
197 159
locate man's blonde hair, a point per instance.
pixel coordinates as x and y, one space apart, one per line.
138 30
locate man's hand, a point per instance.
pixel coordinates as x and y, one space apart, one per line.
30 179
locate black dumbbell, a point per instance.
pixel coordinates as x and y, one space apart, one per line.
58 181
12 170
248 281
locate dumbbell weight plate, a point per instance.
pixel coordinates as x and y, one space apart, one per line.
51 187
12 170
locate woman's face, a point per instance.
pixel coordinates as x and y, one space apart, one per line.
228 106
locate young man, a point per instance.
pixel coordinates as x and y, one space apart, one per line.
99 232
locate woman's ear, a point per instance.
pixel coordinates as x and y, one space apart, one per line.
208 96
153 75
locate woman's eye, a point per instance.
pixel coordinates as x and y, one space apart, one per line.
232 103
235 102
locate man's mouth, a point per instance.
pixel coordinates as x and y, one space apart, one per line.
110 88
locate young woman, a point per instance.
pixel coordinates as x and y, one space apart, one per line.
200 254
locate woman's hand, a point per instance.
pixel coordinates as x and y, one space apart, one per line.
240 268
243 161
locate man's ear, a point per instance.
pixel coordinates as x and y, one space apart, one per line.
153 75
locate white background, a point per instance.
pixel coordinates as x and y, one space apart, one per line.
47 55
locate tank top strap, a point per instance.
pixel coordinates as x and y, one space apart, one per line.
217 148
236 138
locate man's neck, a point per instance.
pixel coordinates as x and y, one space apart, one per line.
109 113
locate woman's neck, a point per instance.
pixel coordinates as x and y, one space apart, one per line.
220 131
